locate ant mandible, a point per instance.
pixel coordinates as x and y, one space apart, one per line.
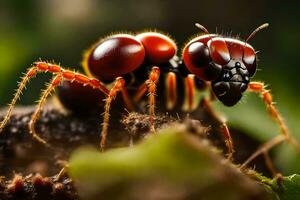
224 64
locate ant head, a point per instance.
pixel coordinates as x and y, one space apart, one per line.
228 63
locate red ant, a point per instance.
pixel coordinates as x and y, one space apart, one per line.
224 64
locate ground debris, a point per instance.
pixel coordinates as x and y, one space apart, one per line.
37 187
138 125
21 154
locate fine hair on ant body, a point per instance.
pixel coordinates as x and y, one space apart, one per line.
224 65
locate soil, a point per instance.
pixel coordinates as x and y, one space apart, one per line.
29 168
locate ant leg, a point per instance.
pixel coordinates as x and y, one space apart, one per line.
151 83
225 129
267 98
190 105
264 148
189 102
171 90
140 92
54 69
150 86
55 81
22 85
127 99
118 86
270 164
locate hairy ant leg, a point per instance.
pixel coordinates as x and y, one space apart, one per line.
118 86
267 98
21 86
55 81
151 83
226 133
60 74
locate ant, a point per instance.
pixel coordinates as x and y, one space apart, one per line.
118 62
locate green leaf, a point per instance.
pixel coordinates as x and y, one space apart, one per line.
287 188
283 188
172 164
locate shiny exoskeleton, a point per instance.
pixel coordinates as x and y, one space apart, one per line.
134 64
228 63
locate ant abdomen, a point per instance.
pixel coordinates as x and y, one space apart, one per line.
79 99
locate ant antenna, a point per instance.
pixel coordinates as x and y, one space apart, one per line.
265 25
202 28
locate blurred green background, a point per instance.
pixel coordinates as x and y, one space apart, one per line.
60 30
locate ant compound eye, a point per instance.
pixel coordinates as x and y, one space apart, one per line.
218 50
197 59
249 59
198 55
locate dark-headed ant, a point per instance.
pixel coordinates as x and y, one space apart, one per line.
224 65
